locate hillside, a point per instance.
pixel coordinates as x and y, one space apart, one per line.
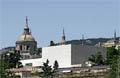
91 41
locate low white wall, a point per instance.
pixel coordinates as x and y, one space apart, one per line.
35 62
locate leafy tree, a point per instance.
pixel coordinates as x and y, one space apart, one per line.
119 48
3 72
12 59
112 60
55 66
111 54
47 70
3 66
97 59
52 43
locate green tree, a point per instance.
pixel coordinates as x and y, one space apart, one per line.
3 67
52 43
12 59
4 73
111 54
97 59
112 60
47 70
55 67
119 48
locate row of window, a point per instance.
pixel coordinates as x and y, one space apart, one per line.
25 47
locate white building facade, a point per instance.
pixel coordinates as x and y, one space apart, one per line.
61 53
66 55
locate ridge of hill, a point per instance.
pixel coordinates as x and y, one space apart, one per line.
90 41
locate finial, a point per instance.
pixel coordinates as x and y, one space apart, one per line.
26 21
63 32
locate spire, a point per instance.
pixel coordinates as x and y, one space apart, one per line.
63 32
63 41
26 28
114 34
63 36
26 21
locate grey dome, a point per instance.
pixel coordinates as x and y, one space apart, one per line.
26 37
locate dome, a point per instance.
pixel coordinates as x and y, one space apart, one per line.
27 37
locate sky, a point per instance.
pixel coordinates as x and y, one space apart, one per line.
46 19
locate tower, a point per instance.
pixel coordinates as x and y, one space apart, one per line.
115 34
63 41
26 43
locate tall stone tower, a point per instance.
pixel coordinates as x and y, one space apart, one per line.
26 43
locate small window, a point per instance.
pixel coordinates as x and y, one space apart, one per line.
28 64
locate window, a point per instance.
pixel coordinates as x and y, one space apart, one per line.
27 48
20 47
28 64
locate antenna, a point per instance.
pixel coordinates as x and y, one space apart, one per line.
82 39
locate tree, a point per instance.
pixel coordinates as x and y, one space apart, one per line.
12 59
97 59
3 70
52 43
112 60
111 54
47 70
119 48
55 66
3 67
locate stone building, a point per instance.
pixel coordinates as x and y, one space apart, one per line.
67 55
26 43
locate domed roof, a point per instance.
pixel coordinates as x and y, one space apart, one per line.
26 37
